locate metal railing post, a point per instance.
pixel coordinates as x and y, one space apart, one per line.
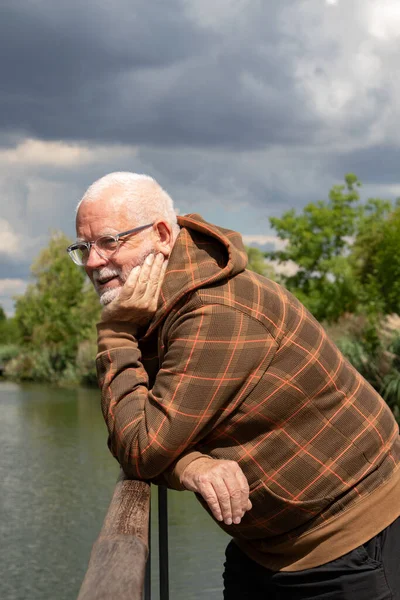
163 542
147 575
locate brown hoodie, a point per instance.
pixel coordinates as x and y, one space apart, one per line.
234 367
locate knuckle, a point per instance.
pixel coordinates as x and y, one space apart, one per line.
236 494
224 497
203 478
211 500
231 466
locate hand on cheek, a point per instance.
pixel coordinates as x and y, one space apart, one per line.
137 301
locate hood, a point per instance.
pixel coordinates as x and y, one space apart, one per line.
203 255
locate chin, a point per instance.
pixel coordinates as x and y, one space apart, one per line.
109 295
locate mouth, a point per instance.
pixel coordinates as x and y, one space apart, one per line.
101 282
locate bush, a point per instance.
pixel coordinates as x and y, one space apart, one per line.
373 348
32 366
8 351
86 362
49 366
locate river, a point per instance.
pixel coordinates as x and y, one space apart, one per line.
57 478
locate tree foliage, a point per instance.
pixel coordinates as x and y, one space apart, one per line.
258 264
318 241
346 252
8 332
57 312
376 256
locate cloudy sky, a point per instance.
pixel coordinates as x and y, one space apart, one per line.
241 109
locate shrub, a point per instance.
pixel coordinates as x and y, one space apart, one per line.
85 362
8 351
373 348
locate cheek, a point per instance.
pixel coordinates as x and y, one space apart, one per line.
89 273
124 268
135 259
127 268
125 261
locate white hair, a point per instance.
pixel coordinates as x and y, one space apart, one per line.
144 199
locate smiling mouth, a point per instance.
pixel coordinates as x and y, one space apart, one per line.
105 280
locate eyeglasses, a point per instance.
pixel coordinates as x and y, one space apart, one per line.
105 246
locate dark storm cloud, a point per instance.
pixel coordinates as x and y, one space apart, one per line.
376 165
58 58
241 109
146 72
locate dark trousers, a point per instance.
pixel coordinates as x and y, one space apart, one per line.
370 572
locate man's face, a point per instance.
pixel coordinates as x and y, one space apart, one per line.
99 218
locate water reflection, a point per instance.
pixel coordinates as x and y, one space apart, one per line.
57 480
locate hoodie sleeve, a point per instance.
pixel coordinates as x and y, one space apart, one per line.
214 357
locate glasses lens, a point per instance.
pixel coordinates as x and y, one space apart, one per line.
107 245
79 254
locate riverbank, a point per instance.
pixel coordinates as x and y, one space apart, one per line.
372 347
49 365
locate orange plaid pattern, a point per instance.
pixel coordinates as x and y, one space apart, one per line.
234 367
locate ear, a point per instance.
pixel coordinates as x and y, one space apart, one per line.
164 238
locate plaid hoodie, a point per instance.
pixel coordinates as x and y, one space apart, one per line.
233 366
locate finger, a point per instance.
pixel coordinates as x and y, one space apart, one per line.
224 499
244 489
154 277
145 269
208 493
233 485
249 505
132 278
144 275
151 294
127 289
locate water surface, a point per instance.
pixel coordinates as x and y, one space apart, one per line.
57 478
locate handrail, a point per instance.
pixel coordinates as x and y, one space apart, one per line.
118 560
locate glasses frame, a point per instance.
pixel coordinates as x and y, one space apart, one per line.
89 245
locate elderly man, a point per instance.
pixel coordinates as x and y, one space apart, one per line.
209 371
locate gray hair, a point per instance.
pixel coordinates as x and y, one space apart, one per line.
140 194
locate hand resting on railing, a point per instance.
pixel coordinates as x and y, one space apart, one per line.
223 486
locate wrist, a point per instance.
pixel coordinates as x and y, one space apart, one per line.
193 468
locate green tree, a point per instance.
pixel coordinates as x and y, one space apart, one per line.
57 312
258 264
319 242
8 333
376 256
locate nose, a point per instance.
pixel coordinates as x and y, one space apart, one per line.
95 260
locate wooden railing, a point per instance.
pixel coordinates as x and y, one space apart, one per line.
117 563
